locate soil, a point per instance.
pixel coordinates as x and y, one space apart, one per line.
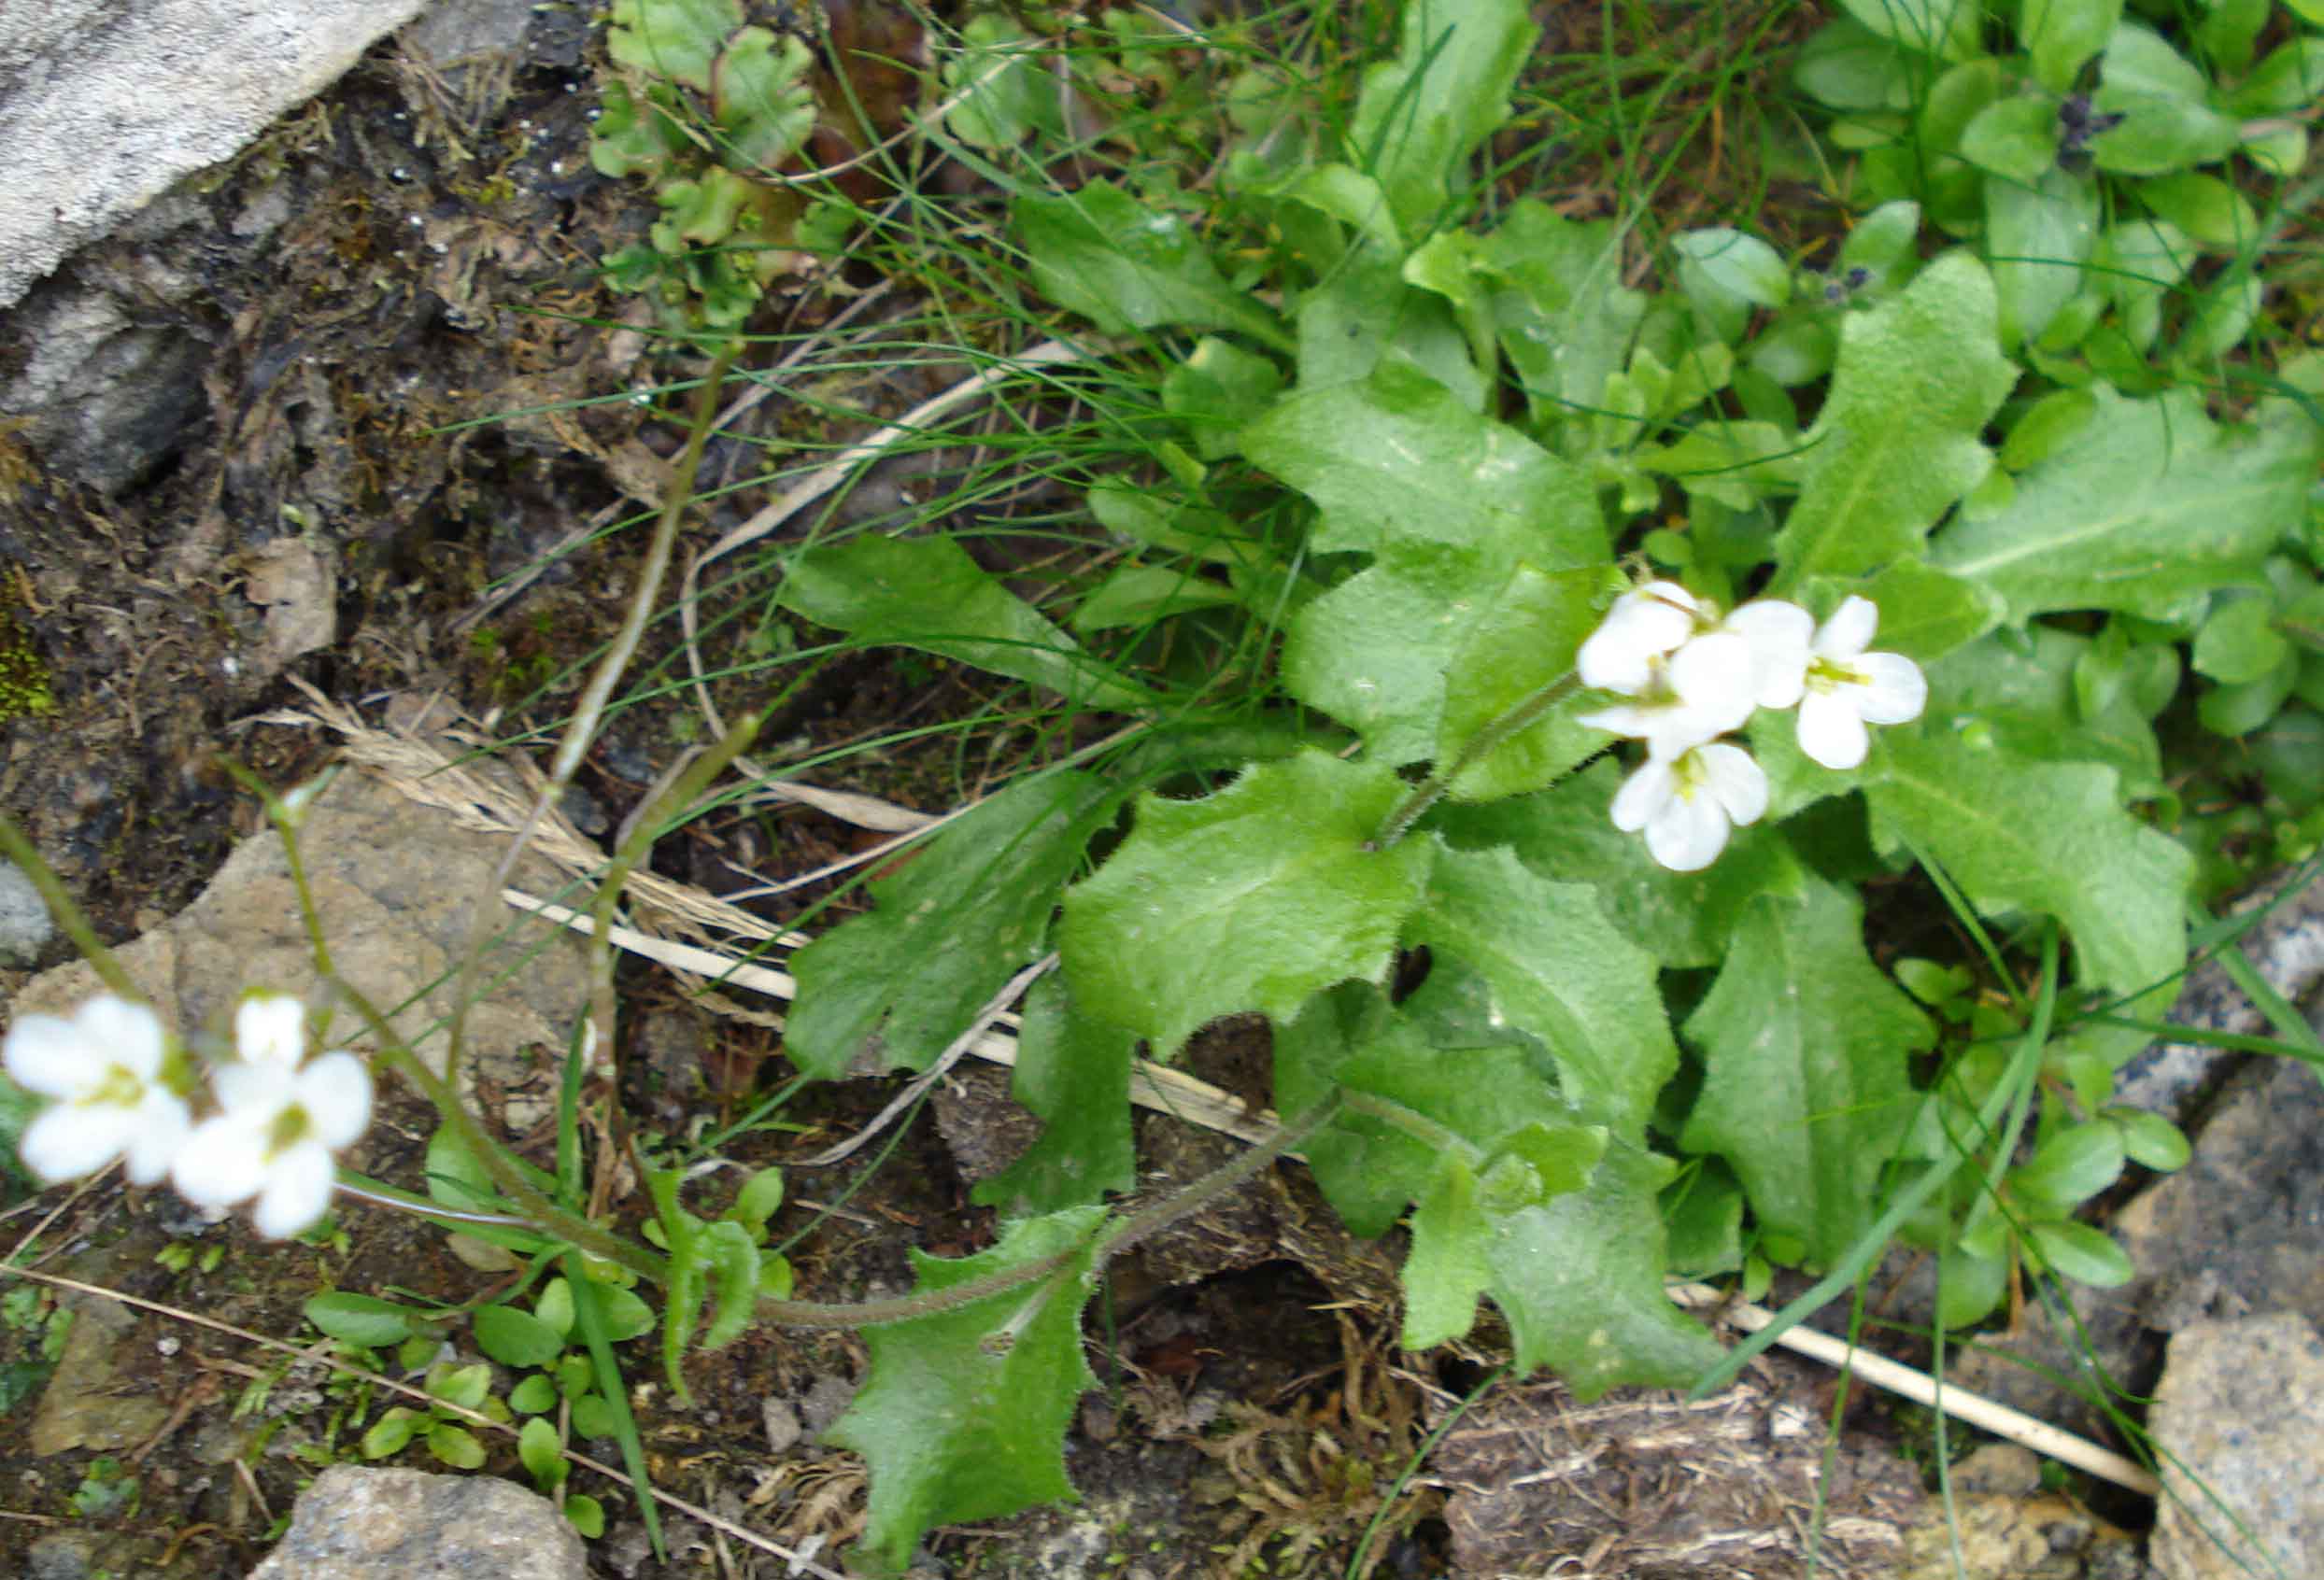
404 258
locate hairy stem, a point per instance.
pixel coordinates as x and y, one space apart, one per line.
1429 791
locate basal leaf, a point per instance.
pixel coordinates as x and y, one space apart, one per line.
2148 503
2039 235
1124 264
927 593
2052 838
1072 1071
1567 321
1579 1279
1257 898
1512 648
1925 612
1398 461
762 101
1897 443
676 39
2062 35
951 924
1567 834
1374 652
964 1413
1945 28
1420 115
1446 1269
1805 1044
1559 971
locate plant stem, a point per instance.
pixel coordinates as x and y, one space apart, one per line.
69 916
1429 791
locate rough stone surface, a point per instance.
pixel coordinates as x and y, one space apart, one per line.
393 883
2239 1418
357 1523
104 104
25 927
89 1402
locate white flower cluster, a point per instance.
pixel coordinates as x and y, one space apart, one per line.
118 1090
1692 675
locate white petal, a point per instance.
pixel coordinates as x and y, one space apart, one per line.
298 1189
1688 834
1644 795
254 1093
1716 678
1829 731
1625 719
335 1092
51 1057
1849 630
1778 634
223 1161
1894 689
71 1140
1735 781
160 1124
270 1028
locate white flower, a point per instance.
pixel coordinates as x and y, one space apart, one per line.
272 1137
270 1028
1688 803
1846 687
104 1068
1696 694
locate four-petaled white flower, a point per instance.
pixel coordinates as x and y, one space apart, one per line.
1645 624
274 1137
104 1070
1688 803
1846 687
1696 694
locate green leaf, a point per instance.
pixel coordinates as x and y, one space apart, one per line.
2062 35
2039 234
761 98
1805 1091
2086 1255
1447 1268
1970 1287
1218 390
540 1453
1725 273
1254 898
455 1445
626 1315
2044 837
2204 206
1567 322
1004 91
517 1338
1558 971
2073 1165
1896 443
586 1513
2161 134
593 1417
675 40
1399 462
1946 28
2239 642
534 1395
927 593
555 1307
1420 115
2013 138
1567 834
733 1258
2150 1139
465 1387
365 1320
760 1198
1124 264
1143 595
1579 1279
949 926
2149 503
2288 81
1072 1072
390 1432
1514 647
964 1414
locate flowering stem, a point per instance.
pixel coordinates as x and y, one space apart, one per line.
1429 791
69 916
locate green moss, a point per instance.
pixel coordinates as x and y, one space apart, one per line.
23 674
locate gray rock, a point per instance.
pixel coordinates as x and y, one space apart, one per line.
64 1555
106 103
359 1523
95 1399
25 925
109 397
2239 1418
